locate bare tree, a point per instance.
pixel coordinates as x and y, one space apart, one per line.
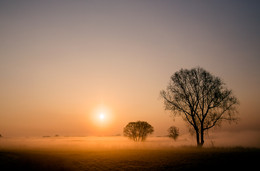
138 131
201 99
173 132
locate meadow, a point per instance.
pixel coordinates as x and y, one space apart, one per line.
118 153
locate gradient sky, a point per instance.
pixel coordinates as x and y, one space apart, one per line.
61 62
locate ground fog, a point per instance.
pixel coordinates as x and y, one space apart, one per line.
119 153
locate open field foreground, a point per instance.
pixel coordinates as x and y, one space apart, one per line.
62 154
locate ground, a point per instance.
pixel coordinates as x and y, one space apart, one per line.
137 157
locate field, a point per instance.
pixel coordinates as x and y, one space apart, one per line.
119 154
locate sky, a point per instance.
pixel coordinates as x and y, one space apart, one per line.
62 63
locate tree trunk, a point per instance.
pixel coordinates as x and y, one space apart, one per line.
198 138
201 137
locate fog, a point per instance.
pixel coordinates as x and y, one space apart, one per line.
225 139
86 143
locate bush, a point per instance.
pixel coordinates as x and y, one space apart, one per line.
173 132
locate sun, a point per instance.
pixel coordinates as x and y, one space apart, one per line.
101 116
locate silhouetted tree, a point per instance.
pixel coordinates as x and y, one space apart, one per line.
201 99
173 132
138 131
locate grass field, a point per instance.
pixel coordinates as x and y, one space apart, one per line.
68 156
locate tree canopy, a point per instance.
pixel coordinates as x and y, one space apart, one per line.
138 131
201 98
173 132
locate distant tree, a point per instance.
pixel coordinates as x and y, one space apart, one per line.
201 99
138 131
173 132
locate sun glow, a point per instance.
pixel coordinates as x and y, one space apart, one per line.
101 116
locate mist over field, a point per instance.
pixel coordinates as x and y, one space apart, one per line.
120 142
119 153
89 143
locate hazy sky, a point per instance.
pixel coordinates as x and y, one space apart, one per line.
62 62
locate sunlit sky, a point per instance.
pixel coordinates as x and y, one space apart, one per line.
63 63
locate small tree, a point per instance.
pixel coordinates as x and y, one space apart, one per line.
201 98
138 131
173 132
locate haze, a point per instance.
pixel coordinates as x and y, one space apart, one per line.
62 63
